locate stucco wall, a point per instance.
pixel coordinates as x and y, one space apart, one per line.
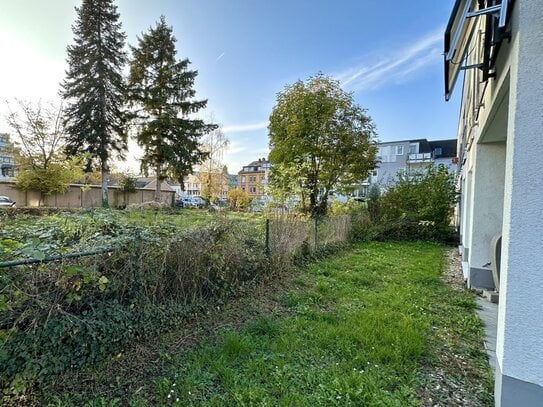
520 325
387 171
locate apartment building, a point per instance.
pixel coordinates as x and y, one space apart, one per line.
497 45
7 165
195 185
253 178
410 157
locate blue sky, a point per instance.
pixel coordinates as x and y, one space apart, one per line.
387 52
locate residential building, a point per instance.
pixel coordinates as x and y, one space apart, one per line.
150 183
7 165
194 185
411 156
498 45
253 178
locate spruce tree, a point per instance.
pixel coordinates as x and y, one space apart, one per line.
94 87
160 90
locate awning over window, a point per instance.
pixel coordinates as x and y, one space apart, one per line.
459 33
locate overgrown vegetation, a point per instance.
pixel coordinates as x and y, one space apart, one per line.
72 313
417 206
366 327
167 267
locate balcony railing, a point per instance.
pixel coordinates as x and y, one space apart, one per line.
420 158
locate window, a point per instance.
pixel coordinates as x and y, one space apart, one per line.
243 179
413 148
399 150
438 151
384 153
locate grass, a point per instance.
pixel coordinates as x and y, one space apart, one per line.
374 326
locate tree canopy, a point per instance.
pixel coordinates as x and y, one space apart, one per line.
320 142
160 90
41 162
94 86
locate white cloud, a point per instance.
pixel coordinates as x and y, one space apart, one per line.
396 66
244 127
236 147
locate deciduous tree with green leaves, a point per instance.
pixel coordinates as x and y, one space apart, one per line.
320 142
41 162
160 91
94 87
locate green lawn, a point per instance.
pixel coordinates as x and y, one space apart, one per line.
372 326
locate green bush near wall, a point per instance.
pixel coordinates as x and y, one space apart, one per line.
417 207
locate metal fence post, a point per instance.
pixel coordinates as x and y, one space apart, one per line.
316 230
267 249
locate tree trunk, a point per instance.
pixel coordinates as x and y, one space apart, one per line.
313 203
158 188
105 177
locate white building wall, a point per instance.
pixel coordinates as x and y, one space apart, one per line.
520 324
487 213
519 83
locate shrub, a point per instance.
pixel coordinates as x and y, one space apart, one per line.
238 200
418 206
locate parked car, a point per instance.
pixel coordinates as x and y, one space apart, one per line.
191 202
180 203
6 202
198 202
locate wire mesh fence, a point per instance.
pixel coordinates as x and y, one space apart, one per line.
69 309
288 236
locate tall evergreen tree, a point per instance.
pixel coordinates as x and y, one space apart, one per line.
160 88
94 86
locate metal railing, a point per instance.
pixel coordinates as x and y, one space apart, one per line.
50 259
420 157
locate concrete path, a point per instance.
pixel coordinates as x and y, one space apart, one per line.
488 312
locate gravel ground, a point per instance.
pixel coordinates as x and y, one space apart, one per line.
452 274
454 379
